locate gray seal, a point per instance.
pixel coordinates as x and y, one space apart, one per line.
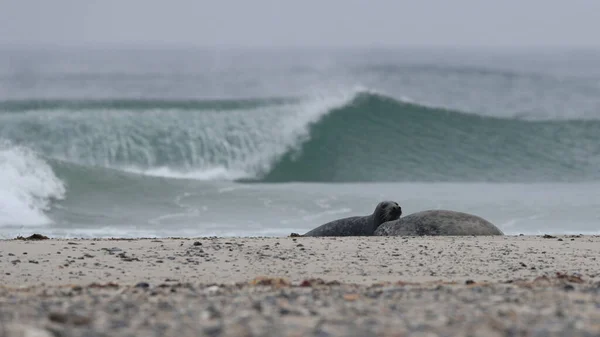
438 222
360 225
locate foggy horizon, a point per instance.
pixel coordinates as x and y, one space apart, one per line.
265 24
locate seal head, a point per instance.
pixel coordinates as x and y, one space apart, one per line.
360 225
386 211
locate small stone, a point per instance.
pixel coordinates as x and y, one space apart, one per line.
119 324
197 243
351 297
14 329
212 290
74 319
113 250
143 285
214 330
469 282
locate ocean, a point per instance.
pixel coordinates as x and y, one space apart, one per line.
256 142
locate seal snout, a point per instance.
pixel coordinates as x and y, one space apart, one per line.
396 210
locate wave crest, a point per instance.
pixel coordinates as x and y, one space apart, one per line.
348 136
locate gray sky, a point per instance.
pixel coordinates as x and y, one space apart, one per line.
302 22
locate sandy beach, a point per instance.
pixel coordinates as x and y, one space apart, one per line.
357 286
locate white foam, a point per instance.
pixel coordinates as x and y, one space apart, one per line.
174 143
266 133
214 173
27 185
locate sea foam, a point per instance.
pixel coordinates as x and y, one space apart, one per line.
27 186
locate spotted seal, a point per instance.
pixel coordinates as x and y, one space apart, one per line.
360 225
438 222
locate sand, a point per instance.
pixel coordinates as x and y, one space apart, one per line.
384 286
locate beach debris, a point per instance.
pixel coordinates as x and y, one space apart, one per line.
69 318
113 250
33 237
558 278
270 281
105 285
575 278
312 282
318 282
126 258
351 297
212 290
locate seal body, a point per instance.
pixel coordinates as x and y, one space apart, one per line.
438 222
360 225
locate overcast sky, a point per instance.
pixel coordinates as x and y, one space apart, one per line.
301 22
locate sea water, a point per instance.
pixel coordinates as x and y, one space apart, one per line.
239 142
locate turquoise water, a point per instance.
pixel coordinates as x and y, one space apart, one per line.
173 143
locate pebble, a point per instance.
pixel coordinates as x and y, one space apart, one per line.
21 330
272 307
143 285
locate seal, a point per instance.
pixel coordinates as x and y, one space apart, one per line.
438 222
360 225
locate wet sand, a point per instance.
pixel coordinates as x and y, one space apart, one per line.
384 286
